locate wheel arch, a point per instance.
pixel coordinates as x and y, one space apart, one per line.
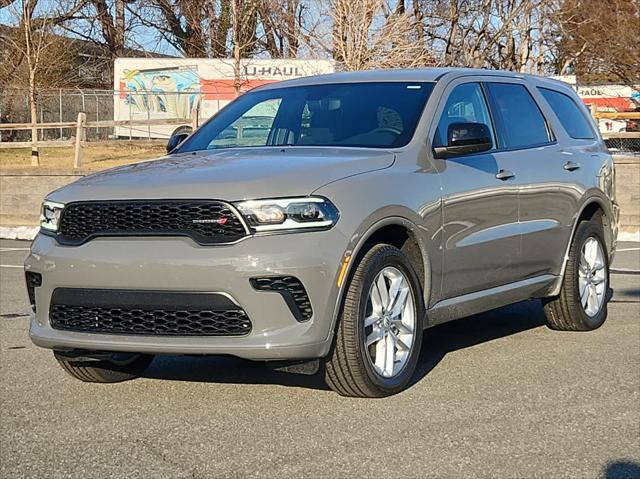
592 207
397 231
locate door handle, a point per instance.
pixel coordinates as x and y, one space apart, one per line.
571 165
505 175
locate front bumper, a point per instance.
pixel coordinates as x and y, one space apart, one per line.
181 265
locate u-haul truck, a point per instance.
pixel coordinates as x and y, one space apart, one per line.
188 88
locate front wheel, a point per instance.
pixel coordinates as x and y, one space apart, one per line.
582 303
114 368
380 332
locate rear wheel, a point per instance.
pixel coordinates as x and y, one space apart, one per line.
582 303
380 332
110 368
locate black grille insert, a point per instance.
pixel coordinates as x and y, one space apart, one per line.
206 221
291 289
34 280
146 313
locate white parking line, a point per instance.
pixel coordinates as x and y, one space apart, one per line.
628 249
10 266
4 250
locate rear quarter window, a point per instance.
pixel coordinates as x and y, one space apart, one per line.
572 119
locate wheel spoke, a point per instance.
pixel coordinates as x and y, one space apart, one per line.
403 328
401 301
397 284
376 301
383 292
584 295
593 251
375 336
371 320
399 343
390 355
381 347
592 307
582 284
584 263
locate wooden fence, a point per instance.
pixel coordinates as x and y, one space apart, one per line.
80 126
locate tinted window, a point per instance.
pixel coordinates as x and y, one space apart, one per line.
466 104
376 114
569 114
251 129
522 122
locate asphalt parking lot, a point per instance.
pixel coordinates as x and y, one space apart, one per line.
496 395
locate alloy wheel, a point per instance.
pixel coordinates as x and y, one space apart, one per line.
592 277
390 322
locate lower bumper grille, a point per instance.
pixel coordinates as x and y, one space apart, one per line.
146 313
291 289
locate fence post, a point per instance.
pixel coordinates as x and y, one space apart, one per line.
148 124
60 110
77 156
194 119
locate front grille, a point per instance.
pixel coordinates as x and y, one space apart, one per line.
291 289
146 313
206 221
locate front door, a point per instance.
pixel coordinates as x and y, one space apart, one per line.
481 237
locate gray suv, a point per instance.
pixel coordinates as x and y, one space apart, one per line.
365 208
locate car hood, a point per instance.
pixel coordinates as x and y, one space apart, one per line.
227 174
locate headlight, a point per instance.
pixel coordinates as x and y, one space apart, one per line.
50 215
288 213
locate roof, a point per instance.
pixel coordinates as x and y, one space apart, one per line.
401 75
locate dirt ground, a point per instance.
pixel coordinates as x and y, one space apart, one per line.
97 156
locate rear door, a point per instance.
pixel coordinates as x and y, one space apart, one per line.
532 146
481 240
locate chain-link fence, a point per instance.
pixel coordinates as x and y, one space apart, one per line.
623 145
63 105
621 131
56 106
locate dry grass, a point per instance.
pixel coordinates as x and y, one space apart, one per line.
97 156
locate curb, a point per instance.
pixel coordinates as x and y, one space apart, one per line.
623 271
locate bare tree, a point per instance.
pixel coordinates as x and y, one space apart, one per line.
30 41
203 28
369 34
244 17
599 40
504 34
281 21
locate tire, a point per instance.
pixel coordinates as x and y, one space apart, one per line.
566 311
350 369
182 129
113 370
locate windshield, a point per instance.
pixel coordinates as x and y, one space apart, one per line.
375 115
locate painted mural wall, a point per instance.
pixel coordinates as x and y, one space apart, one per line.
148 88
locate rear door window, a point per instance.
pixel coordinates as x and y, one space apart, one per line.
573 120
522 123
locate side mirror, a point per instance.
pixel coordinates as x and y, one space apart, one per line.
175 140
465 139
